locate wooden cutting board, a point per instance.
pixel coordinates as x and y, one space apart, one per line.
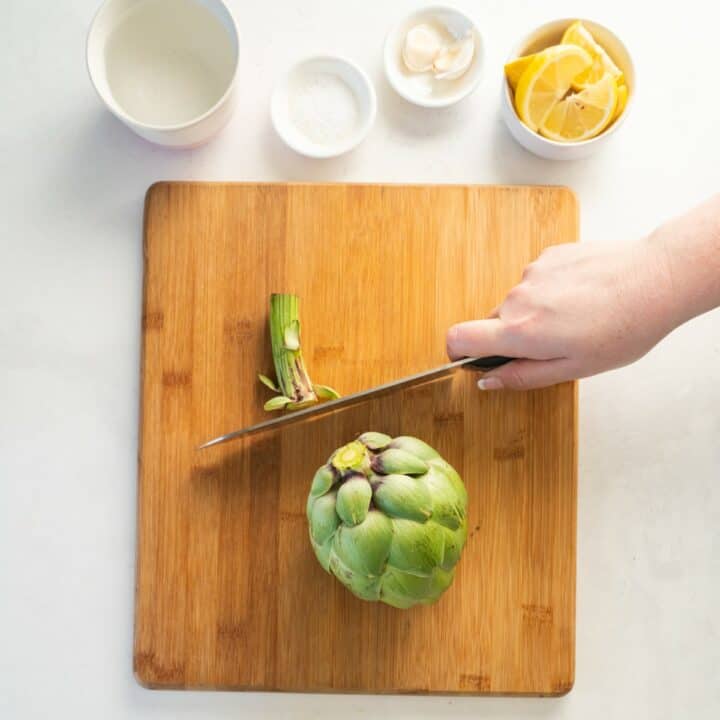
229 594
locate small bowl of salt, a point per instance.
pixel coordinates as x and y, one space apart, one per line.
323 107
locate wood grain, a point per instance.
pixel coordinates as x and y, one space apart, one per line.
229 594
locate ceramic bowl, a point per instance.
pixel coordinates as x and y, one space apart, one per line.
422 88
315 69
166 68
550 34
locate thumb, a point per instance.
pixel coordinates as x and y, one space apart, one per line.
480 338
528 375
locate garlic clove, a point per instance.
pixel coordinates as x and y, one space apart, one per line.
422 45
454 60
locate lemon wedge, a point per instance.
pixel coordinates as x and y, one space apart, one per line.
602 63
515 68
546 81
583 115
622 100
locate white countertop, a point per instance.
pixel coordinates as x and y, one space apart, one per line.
73 180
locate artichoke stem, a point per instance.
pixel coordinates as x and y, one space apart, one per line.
292 377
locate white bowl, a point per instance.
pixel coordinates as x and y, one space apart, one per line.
422 88
542 37
166 68
316 69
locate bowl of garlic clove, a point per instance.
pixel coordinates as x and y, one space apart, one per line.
433 57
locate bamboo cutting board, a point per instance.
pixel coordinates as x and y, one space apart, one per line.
229 594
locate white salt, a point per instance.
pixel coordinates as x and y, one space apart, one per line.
323 108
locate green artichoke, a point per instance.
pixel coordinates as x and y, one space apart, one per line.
388 518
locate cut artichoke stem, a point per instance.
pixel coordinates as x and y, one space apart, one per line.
292 377
294 387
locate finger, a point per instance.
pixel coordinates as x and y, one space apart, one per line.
480 338
528 375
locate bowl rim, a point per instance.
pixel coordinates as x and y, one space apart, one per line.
369 109
479 57
118 111
508 95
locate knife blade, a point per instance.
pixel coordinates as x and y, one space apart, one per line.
479 364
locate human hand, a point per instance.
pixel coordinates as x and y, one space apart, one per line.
580 309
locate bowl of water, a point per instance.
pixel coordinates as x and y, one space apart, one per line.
166 68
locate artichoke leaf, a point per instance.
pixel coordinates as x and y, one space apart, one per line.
375 440
454 543
279 402
401 496
267 382
403 587
415 446
417 548
323 518
453 477
325 392
322 482
364 548
440 581
322 552
353 500
394 460
362 586
448 506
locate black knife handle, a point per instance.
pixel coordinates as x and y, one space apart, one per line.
488 363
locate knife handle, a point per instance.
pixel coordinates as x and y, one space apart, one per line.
488 363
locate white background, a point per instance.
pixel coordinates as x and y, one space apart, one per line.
72 185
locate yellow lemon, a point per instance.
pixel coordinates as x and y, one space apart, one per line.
578 34
546 81
583 115
515 68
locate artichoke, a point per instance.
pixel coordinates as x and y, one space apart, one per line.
387 518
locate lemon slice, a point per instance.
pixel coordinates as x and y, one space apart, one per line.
515 68
546 80
622 100
578 34
582 115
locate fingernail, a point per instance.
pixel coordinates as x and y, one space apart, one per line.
490 383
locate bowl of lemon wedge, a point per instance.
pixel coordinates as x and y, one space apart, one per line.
568 87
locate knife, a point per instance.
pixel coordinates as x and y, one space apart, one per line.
480 364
